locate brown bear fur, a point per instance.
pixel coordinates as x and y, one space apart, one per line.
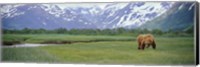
146 40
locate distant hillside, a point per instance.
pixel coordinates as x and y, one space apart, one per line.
179 18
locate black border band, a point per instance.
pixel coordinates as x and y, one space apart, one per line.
197 33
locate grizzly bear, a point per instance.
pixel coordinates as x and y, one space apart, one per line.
146 40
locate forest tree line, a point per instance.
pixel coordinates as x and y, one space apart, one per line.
116 31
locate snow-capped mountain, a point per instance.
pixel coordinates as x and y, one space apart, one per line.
133 15
9 11
81 15
178 18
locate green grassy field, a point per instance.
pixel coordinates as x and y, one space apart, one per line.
170 50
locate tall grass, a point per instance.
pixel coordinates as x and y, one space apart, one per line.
169 51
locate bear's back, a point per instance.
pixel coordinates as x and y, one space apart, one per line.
148 37
145 36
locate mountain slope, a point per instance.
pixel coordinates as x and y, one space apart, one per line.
178 18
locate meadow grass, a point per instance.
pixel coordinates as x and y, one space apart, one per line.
38 38
169 51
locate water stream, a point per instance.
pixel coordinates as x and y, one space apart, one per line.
26 45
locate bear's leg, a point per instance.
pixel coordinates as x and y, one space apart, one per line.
154 45
148 45
139 44
143 46
138 48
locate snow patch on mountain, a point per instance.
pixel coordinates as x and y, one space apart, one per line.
10 10
94 10
142 14
191 6
84 12
53 9
115 6
180 7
